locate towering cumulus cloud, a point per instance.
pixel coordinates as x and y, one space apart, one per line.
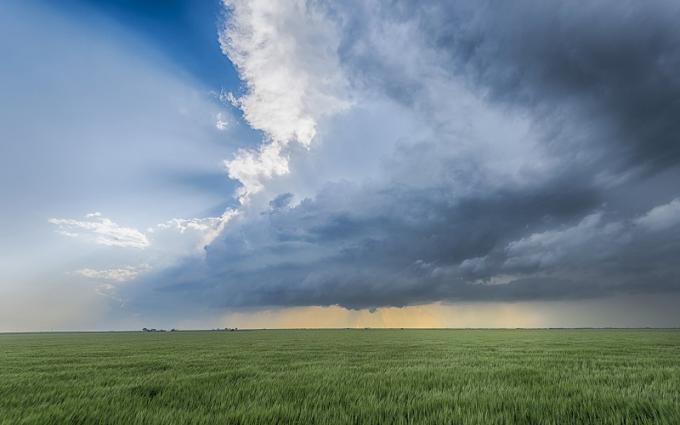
285 53
416 152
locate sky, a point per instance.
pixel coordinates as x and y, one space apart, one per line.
260 164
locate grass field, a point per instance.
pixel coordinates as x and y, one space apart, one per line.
342 376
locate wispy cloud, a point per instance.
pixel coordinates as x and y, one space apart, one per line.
662 217
221 122
208 228
123 274
102 231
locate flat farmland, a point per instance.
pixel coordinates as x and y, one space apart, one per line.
342 377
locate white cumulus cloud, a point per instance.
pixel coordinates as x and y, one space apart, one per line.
286 54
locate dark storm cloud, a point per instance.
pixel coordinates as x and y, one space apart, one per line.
599 80
610 65
600 76
281 201
405 247
410 247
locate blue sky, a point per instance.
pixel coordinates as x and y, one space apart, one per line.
184 32
199 164
113 109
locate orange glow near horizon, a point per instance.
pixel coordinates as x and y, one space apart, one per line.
435 315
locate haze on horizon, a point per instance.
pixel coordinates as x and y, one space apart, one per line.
339 164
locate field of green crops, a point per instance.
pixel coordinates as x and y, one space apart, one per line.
343 377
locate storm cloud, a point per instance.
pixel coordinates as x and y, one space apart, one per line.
524 151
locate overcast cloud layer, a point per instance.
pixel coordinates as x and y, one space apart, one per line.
415 152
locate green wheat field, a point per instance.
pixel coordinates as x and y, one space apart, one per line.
342 377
